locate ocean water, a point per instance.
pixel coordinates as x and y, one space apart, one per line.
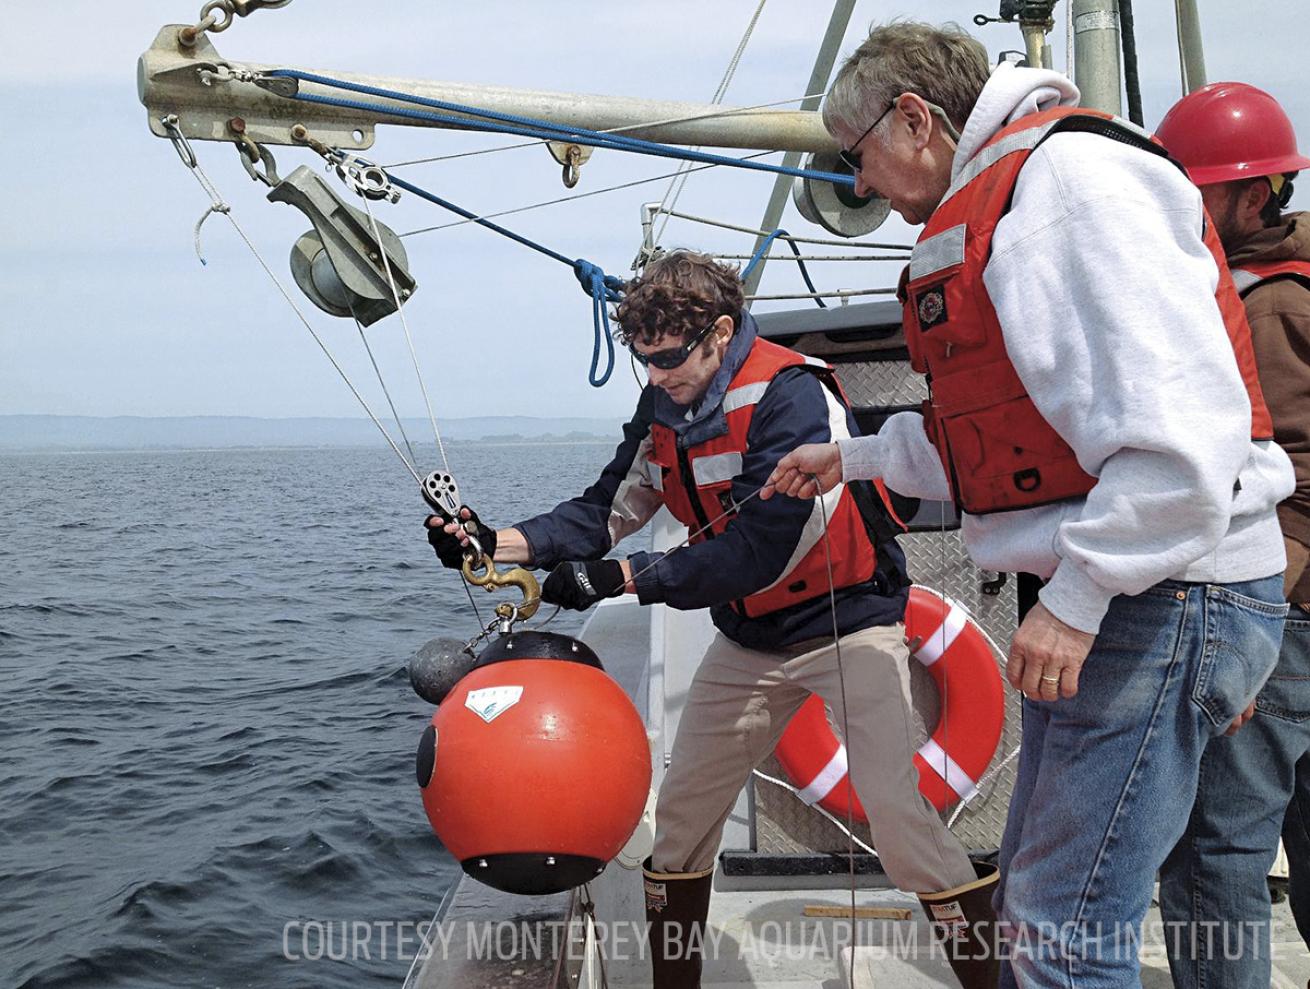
207 733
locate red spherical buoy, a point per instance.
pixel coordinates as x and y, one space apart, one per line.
536 767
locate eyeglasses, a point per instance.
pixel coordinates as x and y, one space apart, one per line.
667 360
851 158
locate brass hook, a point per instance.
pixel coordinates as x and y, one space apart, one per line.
483 573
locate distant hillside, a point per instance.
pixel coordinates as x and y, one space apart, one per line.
37 432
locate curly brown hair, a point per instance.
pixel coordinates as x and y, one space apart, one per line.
678 295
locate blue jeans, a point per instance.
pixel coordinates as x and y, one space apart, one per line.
1105 777
1214 894
1296 825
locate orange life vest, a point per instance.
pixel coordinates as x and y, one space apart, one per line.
696 483
1255 273
998 451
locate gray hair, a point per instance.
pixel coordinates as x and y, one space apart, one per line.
945 65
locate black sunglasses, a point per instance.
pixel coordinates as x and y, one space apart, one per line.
667 360
851 158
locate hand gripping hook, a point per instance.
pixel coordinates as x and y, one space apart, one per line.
441 492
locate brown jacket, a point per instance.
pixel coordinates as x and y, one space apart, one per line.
1279 313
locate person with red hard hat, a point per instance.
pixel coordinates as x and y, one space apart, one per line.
1095 414
1238 146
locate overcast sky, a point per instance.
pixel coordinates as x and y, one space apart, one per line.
106 310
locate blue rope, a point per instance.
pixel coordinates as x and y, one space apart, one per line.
601 287
508 123
760 251
763 249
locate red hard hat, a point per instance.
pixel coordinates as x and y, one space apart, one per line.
1230 130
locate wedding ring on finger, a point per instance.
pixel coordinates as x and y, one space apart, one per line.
1054 681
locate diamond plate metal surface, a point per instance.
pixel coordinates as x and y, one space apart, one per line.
936 560
869 383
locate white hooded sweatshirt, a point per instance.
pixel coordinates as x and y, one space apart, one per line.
1105 294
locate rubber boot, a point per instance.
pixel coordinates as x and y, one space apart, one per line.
676 907
965 923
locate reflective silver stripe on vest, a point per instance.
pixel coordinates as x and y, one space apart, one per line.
716 468
744 395
739 398
938 252
1024 140
1244 279
824 507
655 474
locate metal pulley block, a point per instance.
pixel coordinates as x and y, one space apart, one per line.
340 265
834 207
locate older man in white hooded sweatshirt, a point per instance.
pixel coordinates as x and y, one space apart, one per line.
1095 416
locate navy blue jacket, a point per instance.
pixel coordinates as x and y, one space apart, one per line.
757 544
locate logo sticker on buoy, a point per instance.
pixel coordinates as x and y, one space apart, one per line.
489 703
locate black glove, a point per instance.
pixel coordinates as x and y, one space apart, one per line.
577 586
449 549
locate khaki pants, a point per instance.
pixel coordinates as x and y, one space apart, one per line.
738 705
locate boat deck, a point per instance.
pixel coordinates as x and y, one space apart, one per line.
761 939
763 932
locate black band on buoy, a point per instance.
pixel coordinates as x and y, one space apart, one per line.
539 645
533 873
427 756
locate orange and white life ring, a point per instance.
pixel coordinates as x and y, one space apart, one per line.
959 657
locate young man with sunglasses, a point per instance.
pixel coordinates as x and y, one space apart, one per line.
721 408
1094 413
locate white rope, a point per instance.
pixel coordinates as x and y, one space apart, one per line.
395 296
680 181
220 206
840 294
819 241
382 383
841 681
818 257
569 199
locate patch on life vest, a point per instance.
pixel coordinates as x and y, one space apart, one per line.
930 304
657 895
490 703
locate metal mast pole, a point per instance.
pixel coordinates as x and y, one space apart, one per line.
1096 54
206 92
1191 53
823 63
